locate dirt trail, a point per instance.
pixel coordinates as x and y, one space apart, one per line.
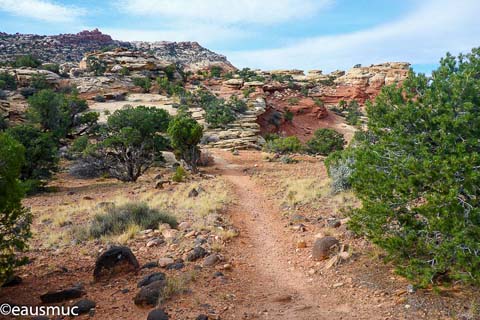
272 288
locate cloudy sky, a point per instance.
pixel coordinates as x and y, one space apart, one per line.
271 34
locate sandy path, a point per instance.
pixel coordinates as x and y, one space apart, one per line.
272 288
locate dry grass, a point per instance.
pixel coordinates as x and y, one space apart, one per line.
177 285
304 191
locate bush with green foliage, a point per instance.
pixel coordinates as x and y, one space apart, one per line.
325 141
15 220
7 81
117 219
52 67
340 169
41 154
417 175
236 104
3 124
284 145
124 71
293 101
185 134
55 112
353 113
143 83
180 174
216 71
39 82
95 65
218 114
288 116
132 141
27 61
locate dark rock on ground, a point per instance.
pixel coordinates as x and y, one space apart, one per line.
321 247
150 265
62 295
193 193
113 259
148 295
211 260
197 253
84 306
12 281
157 314
151 278
202 317
175 266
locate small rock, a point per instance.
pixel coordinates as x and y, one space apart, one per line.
169 234
322 247
12 281
193 193
84 306
163 262
334 223
157 314
411 288
149 294
150 265
184 225
301 244
197 253
202 317
217 274
175 266
190 234
211 260
62 295
154 242
227 266
338 285
151 278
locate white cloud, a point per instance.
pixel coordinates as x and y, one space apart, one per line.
421 37
41 10
226 12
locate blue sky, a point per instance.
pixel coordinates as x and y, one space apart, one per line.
271 34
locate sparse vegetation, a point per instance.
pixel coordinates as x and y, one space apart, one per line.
325 141
27 61
185 134
284 145
7 81
95 65
180 174
118 219
145 83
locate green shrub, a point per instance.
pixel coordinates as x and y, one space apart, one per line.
353 113
180 174
27 61
248 91
288 116
131 142
7 81
15 220
417 174
79 144
237 105
293 101
95 65
284 145
340 166
325 141
216 71
99 98
185 134
218 114
39 82
124 71
143 83
117 219
41 153
52 67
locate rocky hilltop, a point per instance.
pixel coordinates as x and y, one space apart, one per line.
64 48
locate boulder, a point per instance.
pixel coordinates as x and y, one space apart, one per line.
62 295
197 253
84 306
322 247
115 260
149 294
151 278
157 314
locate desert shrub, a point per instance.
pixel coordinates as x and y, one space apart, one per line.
143 83
246 74
180 174
39 82
248 91
340 166
15 220
288 116
99 98
271 136
293 101
7 81
418 176
304 91
216 71
41 154
3 95
55 112
3 124
88 166
284 145
282 78
27 61
95 65
236 104
132 141
318 102
52 67
288 160
218 114
117 219
185 134
124 71
325 141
